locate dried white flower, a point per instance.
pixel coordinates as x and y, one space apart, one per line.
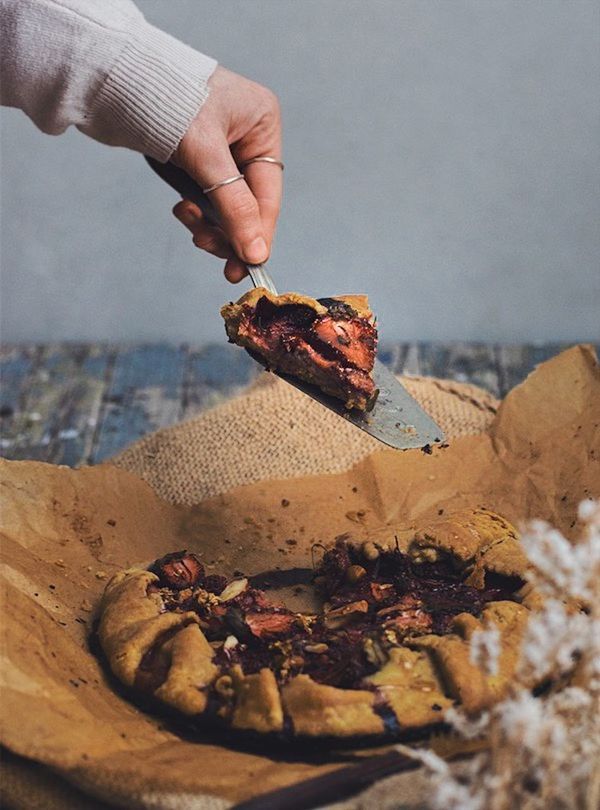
485 649
589 512
544 751
469 728
553 639
434 763
450 794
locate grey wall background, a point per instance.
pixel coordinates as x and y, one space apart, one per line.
442 155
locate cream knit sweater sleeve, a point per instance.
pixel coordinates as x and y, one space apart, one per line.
98 65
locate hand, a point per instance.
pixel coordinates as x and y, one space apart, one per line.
239 120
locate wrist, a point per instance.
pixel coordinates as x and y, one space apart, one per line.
153 92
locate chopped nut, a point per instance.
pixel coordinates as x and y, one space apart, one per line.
60 563
370 550
390 636
224 686
409 620
230 643
406 605
305 621
234 589
317 649
282 649
354 573
339 617
426 554
374 652
205 598
269 624
101 574
380 592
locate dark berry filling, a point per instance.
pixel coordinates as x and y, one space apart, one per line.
340 335
373 600
334 350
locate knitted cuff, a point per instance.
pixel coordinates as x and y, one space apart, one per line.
153 92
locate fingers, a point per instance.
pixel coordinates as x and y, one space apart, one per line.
235 270
235 204
188 214
240 120
210 238
266 183
207 237
239 216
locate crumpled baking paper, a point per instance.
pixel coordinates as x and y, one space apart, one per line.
65 531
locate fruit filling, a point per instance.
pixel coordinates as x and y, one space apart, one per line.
326 342
373 600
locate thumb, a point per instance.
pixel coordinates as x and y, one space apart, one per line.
236 206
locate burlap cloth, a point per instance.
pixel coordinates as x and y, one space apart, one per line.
203 457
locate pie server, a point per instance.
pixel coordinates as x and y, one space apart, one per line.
396 418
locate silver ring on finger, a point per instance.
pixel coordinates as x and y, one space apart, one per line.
226 182
265 159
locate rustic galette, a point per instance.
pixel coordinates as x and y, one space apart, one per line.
386 655
329 342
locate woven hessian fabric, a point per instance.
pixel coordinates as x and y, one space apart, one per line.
274 431
270 431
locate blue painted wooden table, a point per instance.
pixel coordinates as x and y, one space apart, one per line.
80 404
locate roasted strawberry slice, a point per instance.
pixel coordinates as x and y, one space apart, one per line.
330 342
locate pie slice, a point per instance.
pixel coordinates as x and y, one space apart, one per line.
385 656
329 342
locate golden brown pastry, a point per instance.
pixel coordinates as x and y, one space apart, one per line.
388 653
329 342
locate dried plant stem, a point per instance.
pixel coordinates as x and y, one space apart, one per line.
544 751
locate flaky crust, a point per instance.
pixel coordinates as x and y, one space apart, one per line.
336 376
231 312
421 677
132 621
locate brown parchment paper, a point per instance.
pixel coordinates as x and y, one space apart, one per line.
65 531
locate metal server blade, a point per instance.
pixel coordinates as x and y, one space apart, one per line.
396 419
